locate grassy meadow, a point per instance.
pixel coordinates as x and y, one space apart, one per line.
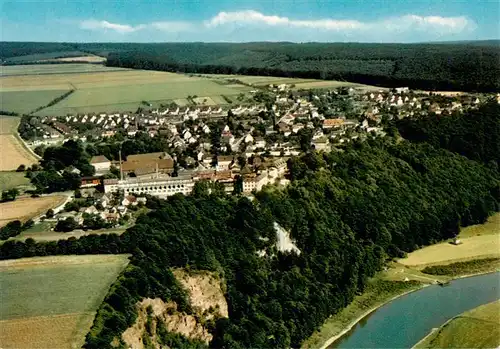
10 179
50 302
477 328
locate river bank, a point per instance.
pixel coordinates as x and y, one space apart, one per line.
371 300
476 328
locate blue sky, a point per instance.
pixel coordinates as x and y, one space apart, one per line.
241 20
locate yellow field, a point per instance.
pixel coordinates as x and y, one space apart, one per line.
477 328
492 226
43 331
50 302
475 247
13 151
25 208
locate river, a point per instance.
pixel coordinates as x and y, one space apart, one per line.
406 320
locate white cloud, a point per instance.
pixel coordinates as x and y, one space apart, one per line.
93 24
383 29
254 17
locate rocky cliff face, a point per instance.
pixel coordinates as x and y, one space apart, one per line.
206 295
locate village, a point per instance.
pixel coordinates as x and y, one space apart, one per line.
241 148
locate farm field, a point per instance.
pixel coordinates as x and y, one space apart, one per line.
10 179
477 328
98 88
122 97
42 69
24 102
50 302
25 208
14 152
260 81
481 241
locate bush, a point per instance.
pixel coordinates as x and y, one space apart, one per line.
66 225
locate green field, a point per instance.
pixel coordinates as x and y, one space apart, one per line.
42 69
101 89
50 302
43 232
24 102
477 328
264 81
129 97
9 180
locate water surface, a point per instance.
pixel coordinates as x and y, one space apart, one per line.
406 320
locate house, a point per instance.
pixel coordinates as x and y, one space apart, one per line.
91 181
100 163
333 123
297 127
223 162
285 129
260 142
248 138
129 200
254 182
321 144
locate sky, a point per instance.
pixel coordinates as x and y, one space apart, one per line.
243 21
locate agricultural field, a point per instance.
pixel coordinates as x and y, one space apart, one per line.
261 81
480 241
11 179
24 102
25 208
14 152
24 88
477 328
50 302
43 69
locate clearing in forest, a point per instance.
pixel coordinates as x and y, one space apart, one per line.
50 302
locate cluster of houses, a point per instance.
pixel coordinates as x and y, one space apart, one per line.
105 206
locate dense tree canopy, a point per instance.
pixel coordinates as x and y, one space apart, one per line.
462 66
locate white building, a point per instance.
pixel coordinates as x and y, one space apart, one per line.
160 186
101 163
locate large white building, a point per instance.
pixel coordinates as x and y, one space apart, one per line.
160 186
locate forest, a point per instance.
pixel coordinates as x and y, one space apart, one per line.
468 66
474 134
348 212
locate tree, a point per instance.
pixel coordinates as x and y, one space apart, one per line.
10 195
94 222
66 225
21 168
49 213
